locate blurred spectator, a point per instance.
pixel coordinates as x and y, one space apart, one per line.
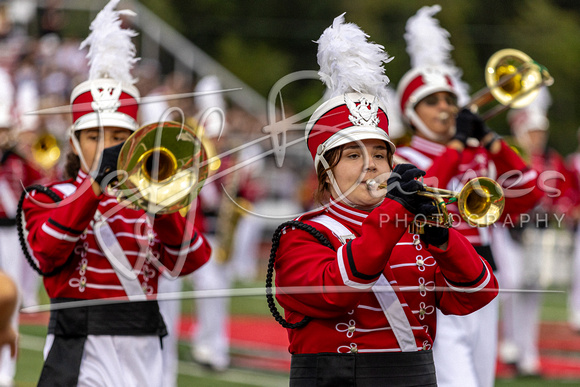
15 171
574 296
51 18
8 303
233 232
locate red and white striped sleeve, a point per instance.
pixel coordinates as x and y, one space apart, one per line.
185 249
55 228
468 276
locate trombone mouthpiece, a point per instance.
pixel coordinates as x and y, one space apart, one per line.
372 185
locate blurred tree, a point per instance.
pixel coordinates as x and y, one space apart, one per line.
265 40
551 36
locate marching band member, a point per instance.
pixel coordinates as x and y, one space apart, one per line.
92 248
15 170
378 327
573 162
537 237
465 351
8 305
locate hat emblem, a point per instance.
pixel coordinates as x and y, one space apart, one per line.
105 98
363 114
433 76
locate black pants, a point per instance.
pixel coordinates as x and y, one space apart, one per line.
395 369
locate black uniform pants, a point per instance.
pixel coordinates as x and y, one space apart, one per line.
395 369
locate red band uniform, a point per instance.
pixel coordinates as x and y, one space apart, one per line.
96 249
425 276
379 325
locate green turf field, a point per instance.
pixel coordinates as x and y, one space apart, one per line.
190 374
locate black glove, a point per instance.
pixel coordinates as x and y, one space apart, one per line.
402 187
108 164
435 236
468 124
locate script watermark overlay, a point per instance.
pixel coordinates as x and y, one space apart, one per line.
515 183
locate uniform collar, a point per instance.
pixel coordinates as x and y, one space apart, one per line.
353 218
427 146
81 176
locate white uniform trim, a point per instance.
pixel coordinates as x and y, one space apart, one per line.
66 188
187 250
117 258
58 235
344 274
395 314
421 161
342 233
472 290
339 230
384 292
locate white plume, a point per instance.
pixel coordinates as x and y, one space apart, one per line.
542 102
428 45
27 99
532 117
427 42
111 53
212 101
349 63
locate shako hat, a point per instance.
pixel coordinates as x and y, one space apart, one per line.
108 97
352 70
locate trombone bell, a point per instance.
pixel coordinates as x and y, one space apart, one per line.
165 164
513 79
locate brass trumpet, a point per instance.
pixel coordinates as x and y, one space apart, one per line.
166 165
513 79
481 202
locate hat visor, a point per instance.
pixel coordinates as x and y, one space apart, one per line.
357 133
354 134
96 120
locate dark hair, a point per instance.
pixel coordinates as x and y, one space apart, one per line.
72 166
322 193
73 163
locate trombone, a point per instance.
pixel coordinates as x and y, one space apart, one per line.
481 202
165 165
513 79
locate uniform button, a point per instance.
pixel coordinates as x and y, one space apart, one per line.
353 350
422 287
420 262
351 328
422 311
